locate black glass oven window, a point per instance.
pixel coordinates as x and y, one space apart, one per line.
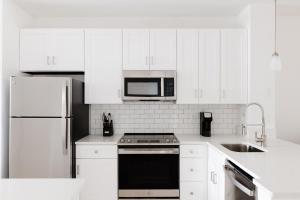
169 87
142 87
148 171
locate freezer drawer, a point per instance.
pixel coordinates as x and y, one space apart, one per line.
40 96
39 148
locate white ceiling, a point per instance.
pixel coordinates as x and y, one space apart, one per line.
139 8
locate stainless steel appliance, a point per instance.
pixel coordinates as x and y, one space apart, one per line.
148 166
149 85
47 116
239 184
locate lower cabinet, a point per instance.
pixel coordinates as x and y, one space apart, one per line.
97 166
193 176
216 175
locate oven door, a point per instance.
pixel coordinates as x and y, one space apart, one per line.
149 172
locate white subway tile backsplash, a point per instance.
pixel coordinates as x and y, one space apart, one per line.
166 117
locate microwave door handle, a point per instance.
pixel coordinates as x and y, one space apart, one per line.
162 83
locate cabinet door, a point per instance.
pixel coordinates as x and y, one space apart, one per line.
68 52
103 72
34 52
212 186
100 177
187 67
209 66
234 66
136 49
163 49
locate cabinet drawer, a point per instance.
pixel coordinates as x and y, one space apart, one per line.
193 191
193 151
96 151
193 169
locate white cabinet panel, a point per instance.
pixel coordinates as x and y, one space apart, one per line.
100 177
103 73
96 151
187 67
163 49
136 49
193 169
34 51
234 66
209 66
193 151
51 50
68 54
193 191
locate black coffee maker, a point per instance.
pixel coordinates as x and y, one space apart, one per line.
205 123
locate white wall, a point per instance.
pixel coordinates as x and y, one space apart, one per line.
288 80
14 18
183 22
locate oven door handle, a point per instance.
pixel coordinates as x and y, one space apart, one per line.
239 185
148 151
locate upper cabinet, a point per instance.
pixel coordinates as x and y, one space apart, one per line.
234 66
212 66
46 50
153 49
136 49
103 71
163 49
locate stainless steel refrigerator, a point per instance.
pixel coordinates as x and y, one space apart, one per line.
47 115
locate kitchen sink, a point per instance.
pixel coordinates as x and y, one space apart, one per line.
241 148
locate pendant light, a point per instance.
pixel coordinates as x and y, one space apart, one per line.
275 64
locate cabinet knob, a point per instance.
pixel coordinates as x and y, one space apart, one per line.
191 193
191 151
96 151
191 169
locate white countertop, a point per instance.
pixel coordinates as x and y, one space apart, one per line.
99 139
37 189
277 170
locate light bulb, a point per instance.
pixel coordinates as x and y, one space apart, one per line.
276 64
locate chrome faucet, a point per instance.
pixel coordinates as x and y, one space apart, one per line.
262 137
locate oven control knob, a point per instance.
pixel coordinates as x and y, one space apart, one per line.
167 140
174 140
128 140
122 140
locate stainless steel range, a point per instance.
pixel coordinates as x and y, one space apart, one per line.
148 166
148 139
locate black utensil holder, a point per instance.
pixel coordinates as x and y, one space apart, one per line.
108 129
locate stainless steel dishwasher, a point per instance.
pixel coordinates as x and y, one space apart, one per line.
239 184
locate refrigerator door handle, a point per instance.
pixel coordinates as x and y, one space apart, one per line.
65 100
67 134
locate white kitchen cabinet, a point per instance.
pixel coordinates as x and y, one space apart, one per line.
193 172
216 175
198 69
99 173
163 49
136 49
103 72
209 66
145 49
212 66
234 66
52 50
187 66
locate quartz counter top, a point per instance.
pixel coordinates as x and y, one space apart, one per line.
37 189
277 169
99 139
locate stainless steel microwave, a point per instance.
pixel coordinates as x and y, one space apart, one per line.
149 85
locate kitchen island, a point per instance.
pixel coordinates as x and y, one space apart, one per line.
40 189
